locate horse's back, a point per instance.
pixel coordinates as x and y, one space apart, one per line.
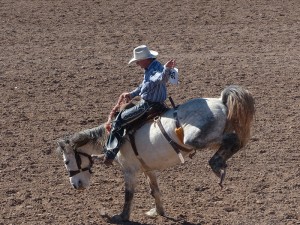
203 121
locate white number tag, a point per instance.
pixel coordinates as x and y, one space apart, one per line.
174 76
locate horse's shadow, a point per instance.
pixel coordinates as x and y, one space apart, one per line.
176 221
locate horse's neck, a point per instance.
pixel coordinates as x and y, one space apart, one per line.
91 148
96 138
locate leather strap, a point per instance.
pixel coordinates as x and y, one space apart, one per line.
175 112
175 146
78 162
132 141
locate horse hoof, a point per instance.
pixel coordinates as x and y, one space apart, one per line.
119 218
152 213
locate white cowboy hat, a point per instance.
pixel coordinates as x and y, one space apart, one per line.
142 52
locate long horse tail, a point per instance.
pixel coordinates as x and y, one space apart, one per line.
241 110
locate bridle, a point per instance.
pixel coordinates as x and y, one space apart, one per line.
78 162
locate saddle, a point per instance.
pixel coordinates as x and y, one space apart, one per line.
117 140
152 115
149 116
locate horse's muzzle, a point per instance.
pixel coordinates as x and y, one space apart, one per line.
78 186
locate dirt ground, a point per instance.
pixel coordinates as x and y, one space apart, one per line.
64 63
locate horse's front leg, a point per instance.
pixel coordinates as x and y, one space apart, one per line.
158 210
130 184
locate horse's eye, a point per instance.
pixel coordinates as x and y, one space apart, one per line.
67 162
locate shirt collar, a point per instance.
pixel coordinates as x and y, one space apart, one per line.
150 65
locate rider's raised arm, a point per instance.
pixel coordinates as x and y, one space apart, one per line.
162 75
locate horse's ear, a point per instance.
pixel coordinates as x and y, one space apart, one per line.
60 147
61 143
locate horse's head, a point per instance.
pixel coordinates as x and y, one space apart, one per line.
77 163
77 150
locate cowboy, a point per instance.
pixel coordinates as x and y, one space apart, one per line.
153 93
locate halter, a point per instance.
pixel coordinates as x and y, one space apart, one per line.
78 161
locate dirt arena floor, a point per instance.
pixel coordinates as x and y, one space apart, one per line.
64 63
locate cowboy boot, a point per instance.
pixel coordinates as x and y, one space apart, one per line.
113 144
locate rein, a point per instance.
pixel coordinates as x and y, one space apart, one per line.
78 162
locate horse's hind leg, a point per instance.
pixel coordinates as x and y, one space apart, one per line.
158 210
230 145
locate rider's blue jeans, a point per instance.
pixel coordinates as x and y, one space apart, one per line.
124 118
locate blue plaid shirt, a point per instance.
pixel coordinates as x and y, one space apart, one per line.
153 88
